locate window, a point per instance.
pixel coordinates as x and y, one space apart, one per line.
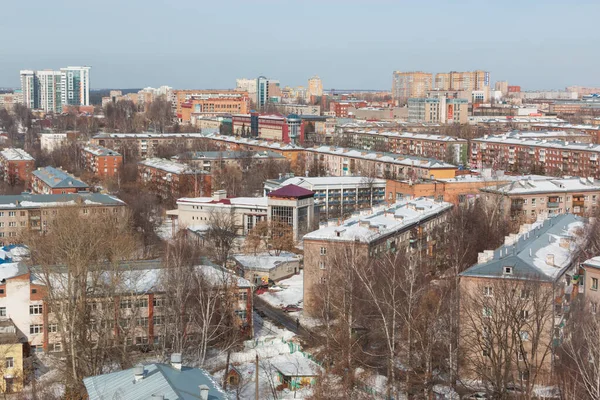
141 340
157 320
33 291
593 308
12 224
125 303
524 294
1 291
35 309
321 264
323 251
322 280
9 362
22 213
594 284
522 355
141 303
488 291
2 311
487 312
508 270
158 302
11 213
524 335
37 328
52 328
243 296
55 347
142 321
241 314
524 314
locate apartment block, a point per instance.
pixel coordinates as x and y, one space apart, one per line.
102 162
146 144
528 198
406 85
135 316
51 91
342 109
286 129
50 180
588 279
515 153
441 147
468 81
402 226
171 180
438 110
537 266
338 161
315 87
34 211
211 161
210 102
16 165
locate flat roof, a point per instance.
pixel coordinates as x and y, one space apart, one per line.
15 154
29 200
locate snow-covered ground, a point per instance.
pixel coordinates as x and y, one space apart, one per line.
287 291
165 229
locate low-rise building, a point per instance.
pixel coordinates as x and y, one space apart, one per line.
339 196
11 353
264 267
16 165
529 282
52 141
171 180
279 128
528 198
102 162
50 180
402 225
211 161
438 110
146 144
34 211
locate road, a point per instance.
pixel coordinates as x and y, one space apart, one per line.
277 315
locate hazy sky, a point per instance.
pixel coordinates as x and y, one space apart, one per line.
350 44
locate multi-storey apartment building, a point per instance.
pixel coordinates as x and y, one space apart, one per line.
468 81
211 161
576 132
437 146
51 91
588 283
338 161
102 162
16 165
527 281
403 225
207 100
292 205
75 86
34 211
528 198
438 110
315 87
520 154
146 144
342 109
338 196
135 312
50 180
171 180
406 85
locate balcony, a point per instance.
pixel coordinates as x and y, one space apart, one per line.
553 204
517 205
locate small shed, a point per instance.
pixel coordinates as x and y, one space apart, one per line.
234 376
295 370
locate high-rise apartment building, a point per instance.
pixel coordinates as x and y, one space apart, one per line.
51 90
75 86
471 80
315 86
267 90
502 86
406 85
246 85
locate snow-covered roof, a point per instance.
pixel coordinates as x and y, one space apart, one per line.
148 135
265 261
593 262
99 150
295 364
226 155
254 142
569 126
499 176
259 202
543 251
169 166
14 154
400 216
516 139
28 200
391 158
57 178
322 182
531 186
410 135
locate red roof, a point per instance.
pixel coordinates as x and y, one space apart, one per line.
291 191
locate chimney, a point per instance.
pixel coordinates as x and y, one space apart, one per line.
219 195
204 392
565 242
138 372
176 361
550 260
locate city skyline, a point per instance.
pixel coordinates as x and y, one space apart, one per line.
349 45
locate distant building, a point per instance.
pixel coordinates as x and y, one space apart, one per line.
406 85
246 85
166 381
16 165
9 100
52 141
146 144
588 283
171 180
278 128
52 90
267 91
50 180
315 87
438 110
502 86
209 102
102 162
75 86
34 211
211 161
468 81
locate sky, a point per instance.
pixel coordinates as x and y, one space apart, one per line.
543 44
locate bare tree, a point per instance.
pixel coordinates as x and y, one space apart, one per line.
221 234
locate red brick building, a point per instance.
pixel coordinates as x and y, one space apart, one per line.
102 162
172 180
16 165
340 108
50 180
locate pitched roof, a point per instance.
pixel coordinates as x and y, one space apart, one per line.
57 178
292 191
159 379
536 253
15 154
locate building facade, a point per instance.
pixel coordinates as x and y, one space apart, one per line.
146 144
16 165
100 161
468 81
438 110
50 180
315 87
51 91
211 161
171 180
277 128
406 85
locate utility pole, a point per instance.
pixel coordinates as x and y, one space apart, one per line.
256 378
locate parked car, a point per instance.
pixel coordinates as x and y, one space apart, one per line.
291 308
